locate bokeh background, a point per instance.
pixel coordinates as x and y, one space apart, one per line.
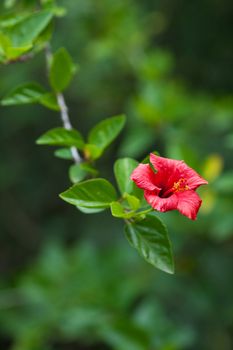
71 281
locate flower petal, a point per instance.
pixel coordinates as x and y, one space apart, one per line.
194 180
164 164
174 170
143 176
161 204
188 203
167 170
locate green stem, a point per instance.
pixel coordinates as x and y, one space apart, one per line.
63 108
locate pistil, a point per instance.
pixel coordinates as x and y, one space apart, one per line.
179 186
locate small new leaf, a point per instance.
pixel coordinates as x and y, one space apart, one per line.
119 211
76 173
150 238
96 193
79 172
134 202
62 70
63 153
61 137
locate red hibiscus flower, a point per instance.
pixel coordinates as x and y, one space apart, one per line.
171 187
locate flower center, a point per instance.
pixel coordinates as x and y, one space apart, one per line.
180 186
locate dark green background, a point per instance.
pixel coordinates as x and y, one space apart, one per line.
168 66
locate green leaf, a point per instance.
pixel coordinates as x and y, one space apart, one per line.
49 100
133 201
96 193
4 43
90 169
123 169
63 153
15 52
62 70
106 131
92 151
79 172
76 173
26 31
61 137
11 19
119 211
90 210
150 238
24 94
8 51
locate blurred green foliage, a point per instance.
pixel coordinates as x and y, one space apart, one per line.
81 293
166 64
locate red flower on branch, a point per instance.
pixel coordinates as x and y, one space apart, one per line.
171 187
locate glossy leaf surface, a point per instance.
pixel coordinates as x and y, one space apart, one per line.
63 153
25 31
79 172
96 193
118 211
61 137
150 238
24 94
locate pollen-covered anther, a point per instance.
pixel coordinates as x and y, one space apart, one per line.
180 186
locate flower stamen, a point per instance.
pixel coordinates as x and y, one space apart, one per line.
180 186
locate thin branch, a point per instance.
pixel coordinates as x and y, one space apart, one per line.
63 108
64 111
67 124
20 59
